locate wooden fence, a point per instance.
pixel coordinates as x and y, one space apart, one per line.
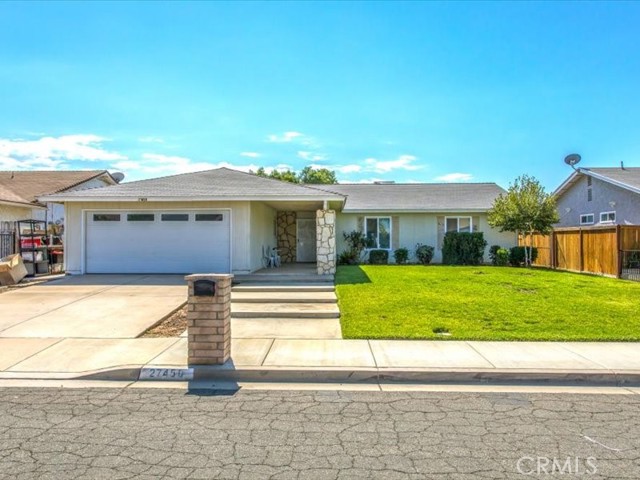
609 250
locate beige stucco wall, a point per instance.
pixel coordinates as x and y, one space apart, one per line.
262 232
240 231
422 228
10 214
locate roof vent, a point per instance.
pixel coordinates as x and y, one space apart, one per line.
384 182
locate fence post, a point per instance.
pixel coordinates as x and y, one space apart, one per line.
581 251
619 250
552 249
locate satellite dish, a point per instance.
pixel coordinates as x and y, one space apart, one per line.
572 159
118 176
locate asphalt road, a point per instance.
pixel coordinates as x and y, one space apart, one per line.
132 433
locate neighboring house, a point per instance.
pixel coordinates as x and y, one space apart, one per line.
222 220
19 192
600 196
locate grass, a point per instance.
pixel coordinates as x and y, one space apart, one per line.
485 303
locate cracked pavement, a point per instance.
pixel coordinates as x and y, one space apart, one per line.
48 433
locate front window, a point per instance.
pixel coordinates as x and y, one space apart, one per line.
378 232
608 217
587 219
459 224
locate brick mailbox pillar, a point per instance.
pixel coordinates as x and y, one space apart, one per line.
209 319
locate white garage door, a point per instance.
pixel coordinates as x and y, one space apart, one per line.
159 241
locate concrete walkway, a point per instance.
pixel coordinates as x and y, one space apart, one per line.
330 360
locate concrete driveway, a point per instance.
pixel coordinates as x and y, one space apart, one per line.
90 306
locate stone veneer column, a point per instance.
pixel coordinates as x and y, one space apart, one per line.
209 321
286 235
326 242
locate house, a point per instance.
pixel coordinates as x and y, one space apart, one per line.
19 192
222 220
600 196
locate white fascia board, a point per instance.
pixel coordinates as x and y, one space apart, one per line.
22 205
66 199
567 183
406 210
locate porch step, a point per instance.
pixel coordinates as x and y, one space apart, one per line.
283 278
291 287
310 328
283 297
284 310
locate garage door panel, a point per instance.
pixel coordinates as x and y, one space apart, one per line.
168 244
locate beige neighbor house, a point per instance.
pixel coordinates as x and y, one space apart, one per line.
224 220
19 192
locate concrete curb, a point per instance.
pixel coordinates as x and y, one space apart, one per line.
387 375
359 376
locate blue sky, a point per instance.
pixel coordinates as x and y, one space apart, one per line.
396 91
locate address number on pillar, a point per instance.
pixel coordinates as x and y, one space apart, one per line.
166 374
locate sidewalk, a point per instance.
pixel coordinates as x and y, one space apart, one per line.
332 360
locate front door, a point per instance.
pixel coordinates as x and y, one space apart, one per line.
306 240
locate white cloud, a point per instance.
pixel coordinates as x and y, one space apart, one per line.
347 168
455 177
403 162
53 152
312 156
157 165
250 154
286 137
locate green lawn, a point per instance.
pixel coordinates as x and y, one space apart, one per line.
485 303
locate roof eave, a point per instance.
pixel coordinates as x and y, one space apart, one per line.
412 210
564 186
243 198
22 204
610 180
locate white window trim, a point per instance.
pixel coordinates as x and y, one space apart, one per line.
586 215
608 213
378 239
458 227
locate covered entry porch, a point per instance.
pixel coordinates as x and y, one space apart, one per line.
305 237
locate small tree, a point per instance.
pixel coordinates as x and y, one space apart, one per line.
526 208
317 176
307 175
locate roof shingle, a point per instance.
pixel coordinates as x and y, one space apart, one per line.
218 183
419 197
29 185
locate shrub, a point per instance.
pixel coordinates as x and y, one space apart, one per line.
346 258
424 253
401 255
356 243
379 257
463 248
493 250
502 257
517 256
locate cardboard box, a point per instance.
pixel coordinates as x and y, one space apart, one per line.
12 270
